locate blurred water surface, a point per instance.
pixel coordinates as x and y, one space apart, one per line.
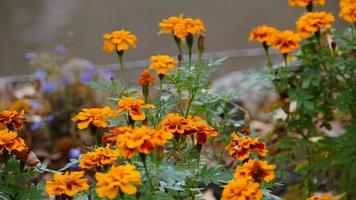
39 25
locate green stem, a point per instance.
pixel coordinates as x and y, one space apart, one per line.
269 64
121 63
143 160
189 104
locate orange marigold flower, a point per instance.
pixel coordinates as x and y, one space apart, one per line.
12 119
325 196
286 41
133 107
162 63
10 142
167 25
119 41
240 147
114 132
94 116
312 22
159 137
139 140
201 129
98 157
256 170
304 3
146 78
348 10
69 183
242 189
174 123
263 34
123 178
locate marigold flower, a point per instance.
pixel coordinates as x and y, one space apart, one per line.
201 129
119 40
286 41
312 22
94 116
263 34
139 140
69 183
114 132
174 123
256 170
325 196
348 10
146 78
159 137
240 147
133 107
162 63
304 3
242 189
10 142
12 119
182 27
98 157
167 25
123 178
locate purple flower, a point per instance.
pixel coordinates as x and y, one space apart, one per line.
35 105
49 87
85 77
40 74
61 49
109 74
35 126
74 153
30 55
51 119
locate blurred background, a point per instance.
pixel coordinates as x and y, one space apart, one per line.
77 25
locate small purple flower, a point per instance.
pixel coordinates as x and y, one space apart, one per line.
61 49
40 74
74 153
35 105
35 126
109 75
51 119
85 77
49 87
30 55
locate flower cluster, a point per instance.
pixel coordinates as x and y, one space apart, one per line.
99 157
310 23
181 27
249 177
146 78
93 116
162 63
10 142
348 10
122 178
241 147
69 184
263 34
119 41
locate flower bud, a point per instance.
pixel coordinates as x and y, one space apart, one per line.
201 43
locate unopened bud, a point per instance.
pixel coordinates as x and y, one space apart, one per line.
201 43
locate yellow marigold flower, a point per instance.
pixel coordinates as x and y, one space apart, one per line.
263 34
69 183
114 132
312 22
167 25
119 40
94 116
256 170
159 137
133 107
286 41
98 157
348 10
162 63
174 123
304 3
12 119
139 140
242 189
240 147
146 78
10 142
123 178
